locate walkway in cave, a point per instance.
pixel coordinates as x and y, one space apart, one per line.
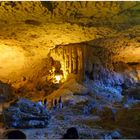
71 117
63 119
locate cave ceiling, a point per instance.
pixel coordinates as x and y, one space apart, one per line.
28 30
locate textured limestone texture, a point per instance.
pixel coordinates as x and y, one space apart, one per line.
26 114
39 40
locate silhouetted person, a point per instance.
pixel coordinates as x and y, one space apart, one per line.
45 103
60 99
60 102
52 103
71 133
15 134
55 103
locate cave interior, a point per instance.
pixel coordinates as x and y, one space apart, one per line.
86 52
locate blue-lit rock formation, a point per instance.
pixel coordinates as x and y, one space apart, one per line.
26 114
109 83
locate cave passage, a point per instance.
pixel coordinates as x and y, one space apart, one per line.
70 69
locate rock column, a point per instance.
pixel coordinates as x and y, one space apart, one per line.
72 60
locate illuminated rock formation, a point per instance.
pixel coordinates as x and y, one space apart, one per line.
26 114
71 58
70 37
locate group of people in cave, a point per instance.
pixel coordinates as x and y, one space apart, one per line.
55 103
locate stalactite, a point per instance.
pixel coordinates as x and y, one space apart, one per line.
79 59
69 59
72 59
76 61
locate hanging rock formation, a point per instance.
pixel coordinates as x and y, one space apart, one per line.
72 59
77 34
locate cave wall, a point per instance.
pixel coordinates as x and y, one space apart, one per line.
79 12
85 37
96 66
72 58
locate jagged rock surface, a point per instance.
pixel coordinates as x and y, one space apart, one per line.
26 114
114 27
77 34
6 92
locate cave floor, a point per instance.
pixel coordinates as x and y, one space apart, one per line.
88 126
62 120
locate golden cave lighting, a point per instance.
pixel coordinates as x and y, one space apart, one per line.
58 78
11 59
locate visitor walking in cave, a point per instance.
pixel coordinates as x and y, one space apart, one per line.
52 103
60 102
55 103
45 103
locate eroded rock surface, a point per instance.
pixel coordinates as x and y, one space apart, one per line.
26 114
93 46
30 29
6 92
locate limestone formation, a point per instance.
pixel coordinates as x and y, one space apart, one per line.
71 58
30 30
26 114
87 52
6 92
